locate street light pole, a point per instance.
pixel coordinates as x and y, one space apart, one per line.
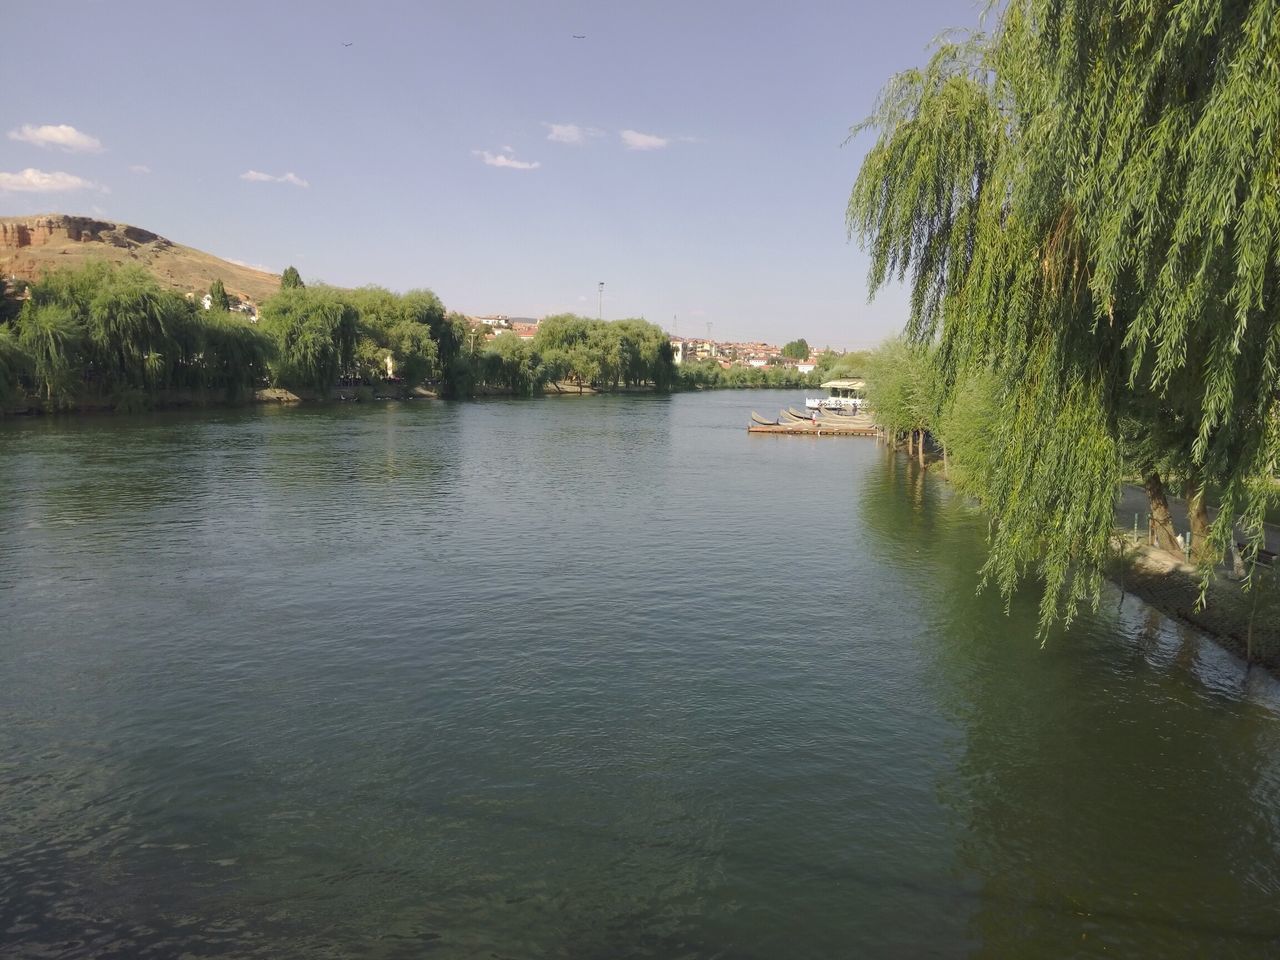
600 308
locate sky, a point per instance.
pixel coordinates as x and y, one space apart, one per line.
690 155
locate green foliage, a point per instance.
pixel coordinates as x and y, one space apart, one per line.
399 327
964 428
114 335
315 333
413 352
235 355
451 333
9 306
797 349
511 364
903 389
218 299
836 366
51 335
130 327
709 375
291 279
604 354
1084 206
14 365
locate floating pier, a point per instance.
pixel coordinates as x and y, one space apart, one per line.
824 424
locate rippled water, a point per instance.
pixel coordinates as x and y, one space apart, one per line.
591 677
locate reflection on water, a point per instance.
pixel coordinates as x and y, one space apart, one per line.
584 677
1107 791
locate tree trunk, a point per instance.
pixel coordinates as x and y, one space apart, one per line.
920 447
1161 520
1237 561
911 435
1198 516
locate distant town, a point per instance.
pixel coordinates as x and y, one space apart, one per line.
726 353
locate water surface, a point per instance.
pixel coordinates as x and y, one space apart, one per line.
591 677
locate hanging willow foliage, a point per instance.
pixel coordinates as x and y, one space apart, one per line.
14 364
1087 204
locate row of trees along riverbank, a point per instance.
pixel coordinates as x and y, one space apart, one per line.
1083 203
708 374
105 336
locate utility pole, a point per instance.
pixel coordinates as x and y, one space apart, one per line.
600 308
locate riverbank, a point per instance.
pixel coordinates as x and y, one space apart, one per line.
137 402
188 399
1247 623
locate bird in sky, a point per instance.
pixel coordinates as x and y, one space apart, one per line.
348 44
579 36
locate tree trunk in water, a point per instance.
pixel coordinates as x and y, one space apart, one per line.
1161 520
911 434
1198 515
920 447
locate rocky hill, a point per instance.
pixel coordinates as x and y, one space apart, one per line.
32 246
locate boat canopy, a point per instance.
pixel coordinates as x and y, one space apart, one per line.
853 387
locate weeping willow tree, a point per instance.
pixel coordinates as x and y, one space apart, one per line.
1086 205
103 333
314 332
903 392
14 365
51 336
234 356
130 322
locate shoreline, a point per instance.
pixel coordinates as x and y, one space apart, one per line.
187 400
1245 624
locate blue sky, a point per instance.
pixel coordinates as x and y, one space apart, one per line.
687 154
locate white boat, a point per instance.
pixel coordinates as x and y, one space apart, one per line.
848 395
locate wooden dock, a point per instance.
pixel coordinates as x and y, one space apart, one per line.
824 425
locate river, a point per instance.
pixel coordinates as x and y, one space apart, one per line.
585 677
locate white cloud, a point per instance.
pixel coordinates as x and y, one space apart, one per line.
503 160
635 140
565 133
570 132
61 135
139 168
31 180
257 176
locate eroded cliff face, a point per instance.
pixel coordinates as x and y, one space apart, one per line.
32 246
17 233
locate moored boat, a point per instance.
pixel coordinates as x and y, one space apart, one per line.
848 394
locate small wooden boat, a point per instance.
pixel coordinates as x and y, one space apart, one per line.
756 418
